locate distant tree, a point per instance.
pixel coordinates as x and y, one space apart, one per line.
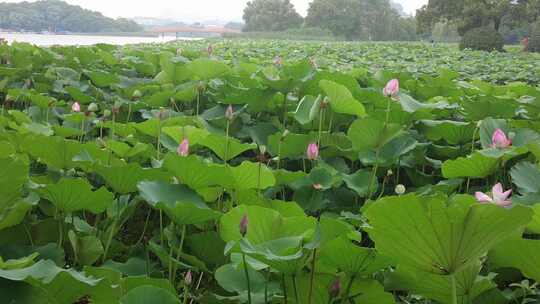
361 19
57 15
271 15
469 14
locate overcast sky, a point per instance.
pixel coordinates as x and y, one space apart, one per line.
192 9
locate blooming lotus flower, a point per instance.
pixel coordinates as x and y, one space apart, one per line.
229 113
183 148
76 107
392 88
500 140
278 60
312 151
188 278
244 225
498 196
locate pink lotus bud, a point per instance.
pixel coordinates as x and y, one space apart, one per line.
183 148
499 139
392 88
188 278
312 152
335 289
317 186
244 225
229 113
210 50
278 60
76 107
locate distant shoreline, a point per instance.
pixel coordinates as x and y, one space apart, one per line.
112 34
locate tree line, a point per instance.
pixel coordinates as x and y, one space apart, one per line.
352 19
56 15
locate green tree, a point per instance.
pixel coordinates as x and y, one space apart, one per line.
271 15
361 19
469 14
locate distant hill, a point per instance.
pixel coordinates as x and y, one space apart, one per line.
58 16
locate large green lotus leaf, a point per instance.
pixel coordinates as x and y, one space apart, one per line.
13 175
366 134
435 236
207 68
50 282
108 290
197 173
359 182
54 151
281 254
453 132
252 176
183 205
159 99
147 294
341 100
489 106
264 225
193 134
475 165
103 79
293 145
218 144
469 284
390 153
308 108
87 249
343 255
411 105
518 253
526 177
209 247
124 178
69 195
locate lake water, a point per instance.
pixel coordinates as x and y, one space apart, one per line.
47 40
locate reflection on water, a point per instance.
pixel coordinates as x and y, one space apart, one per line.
46 40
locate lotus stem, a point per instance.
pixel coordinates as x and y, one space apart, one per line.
348 289
454 299
284 288
247 277
296 298
376 166
161 226
227 143
179 251
472 151
312 276
321 118
109 240
158 140
198 101
171 248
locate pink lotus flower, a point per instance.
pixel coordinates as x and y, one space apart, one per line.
317 186
210 50
392 88
312 151
500 140
188 278
335 289
244 222
278 60
499 196
229 113
76 107
183 148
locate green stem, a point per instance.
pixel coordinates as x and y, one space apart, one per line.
171 248
247 277
60 231
321 118
158 140
227 142
198 101
312 276
348 290
284 286
161 226
129 113
472 151
454 289
186 293
376 167
179 252
296 298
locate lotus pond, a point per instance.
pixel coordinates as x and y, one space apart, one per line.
268 172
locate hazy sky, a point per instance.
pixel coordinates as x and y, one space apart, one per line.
192 9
